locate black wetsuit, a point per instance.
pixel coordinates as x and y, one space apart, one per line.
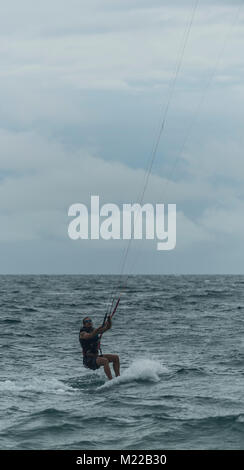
90 349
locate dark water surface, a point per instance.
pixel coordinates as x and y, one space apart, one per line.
181 344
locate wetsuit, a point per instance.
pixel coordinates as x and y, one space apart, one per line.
90 349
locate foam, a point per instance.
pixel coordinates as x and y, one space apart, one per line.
35 384
144 370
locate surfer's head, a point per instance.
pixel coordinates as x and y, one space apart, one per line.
87 322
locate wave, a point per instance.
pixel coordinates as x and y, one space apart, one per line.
11 320
191 370
36 385
211 421
29 309
52 412
141 370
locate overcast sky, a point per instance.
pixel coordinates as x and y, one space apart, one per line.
84 85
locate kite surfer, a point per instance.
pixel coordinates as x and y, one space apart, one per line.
90 342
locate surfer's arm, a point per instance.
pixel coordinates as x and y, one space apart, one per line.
108 324
85 335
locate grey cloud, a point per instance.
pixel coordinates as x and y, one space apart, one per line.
71 81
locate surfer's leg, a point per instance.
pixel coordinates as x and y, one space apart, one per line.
115 360
103 361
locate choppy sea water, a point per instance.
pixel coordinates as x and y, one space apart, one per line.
181 345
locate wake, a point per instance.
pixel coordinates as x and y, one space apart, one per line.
141 370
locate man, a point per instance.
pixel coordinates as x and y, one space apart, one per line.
89 340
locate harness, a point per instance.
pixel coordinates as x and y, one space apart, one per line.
90 345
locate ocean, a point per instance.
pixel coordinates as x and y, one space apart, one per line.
181 346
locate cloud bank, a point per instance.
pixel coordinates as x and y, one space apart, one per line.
82 98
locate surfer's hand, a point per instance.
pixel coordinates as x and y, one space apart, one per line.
100 329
